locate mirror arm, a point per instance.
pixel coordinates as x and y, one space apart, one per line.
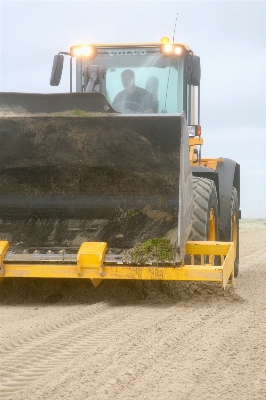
66 53
71 74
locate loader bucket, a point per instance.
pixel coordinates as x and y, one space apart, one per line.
102 176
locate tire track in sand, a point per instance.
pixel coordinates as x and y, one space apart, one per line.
29 357
24 364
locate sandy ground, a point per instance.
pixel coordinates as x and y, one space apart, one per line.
133 340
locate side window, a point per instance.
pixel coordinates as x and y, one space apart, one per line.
171 90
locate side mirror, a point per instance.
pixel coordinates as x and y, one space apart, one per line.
57 70
193 70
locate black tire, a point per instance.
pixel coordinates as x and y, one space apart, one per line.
234 228
230 232
204 200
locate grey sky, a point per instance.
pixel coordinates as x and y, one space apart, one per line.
229 36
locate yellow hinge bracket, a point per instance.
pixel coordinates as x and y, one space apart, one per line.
194 141
3 249
91 256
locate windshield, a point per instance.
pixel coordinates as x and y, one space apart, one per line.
161 77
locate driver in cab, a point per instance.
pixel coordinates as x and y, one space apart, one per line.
132 99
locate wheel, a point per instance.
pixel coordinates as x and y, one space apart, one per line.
205 215
234 228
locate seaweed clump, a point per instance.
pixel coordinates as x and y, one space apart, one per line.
158 250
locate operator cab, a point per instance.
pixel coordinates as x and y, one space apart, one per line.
169 72
162 77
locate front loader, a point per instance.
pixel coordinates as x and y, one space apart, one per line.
90 191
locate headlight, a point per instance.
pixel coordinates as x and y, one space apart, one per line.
168 48
194 130
178 50
76 51
85 50
171 49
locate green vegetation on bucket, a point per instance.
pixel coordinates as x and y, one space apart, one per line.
132 213
80 113
156 249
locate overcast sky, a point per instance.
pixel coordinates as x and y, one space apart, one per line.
229 36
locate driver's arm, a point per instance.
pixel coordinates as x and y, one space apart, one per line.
148 103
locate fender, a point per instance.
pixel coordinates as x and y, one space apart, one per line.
226 176
229 177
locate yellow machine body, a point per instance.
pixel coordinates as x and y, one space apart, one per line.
90 265
83 178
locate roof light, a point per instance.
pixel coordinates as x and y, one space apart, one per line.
171 49
85 50
76 51
165 40
168 48
178 50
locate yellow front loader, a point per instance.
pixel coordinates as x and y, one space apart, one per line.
90 189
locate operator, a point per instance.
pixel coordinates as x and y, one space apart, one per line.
132 99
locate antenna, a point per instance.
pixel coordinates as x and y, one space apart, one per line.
175 27
165 111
